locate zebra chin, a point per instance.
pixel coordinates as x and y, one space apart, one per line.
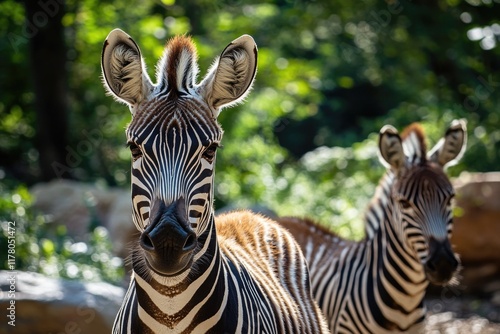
169 268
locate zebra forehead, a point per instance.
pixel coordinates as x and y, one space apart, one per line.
428 177
181 115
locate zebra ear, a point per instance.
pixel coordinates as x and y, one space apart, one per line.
232 74
450 149
391 148
123 69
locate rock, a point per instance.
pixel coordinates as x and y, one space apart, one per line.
48 305
77 205
122 230
476 230
73 204
454 312
447 323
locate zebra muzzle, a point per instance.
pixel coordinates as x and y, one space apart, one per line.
168 242
442 263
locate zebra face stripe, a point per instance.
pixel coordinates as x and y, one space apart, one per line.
174 157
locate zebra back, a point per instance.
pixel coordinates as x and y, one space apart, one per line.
271 256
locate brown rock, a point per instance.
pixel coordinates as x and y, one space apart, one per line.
476 232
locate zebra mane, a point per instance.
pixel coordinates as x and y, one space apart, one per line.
178 67
414 144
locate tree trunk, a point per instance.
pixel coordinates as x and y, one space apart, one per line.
47 54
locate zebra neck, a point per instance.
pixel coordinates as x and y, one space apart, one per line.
384 233
172 302
380 200
399 281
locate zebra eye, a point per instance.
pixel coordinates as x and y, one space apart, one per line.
209 153
404 204
135 150
449 201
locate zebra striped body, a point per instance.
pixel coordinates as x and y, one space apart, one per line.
377 285
193 273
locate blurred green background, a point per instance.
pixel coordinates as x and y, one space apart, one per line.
330 75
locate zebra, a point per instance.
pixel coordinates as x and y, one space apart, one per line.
377 285
191 272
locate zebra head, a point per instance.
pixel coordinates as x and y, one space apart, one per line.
421 193
173 138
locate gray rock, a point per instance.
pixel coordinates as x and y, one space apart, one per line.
48 305
122 231
73 204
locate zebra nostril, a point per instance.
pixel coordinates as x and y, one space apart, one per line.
430 266
190 243
146 242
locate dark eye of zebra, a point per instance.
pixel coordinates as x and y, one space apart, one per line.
209 153
404 204
135 150
449 201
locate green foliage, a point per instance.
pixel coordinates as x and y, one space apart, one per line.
333 185
330 75
42 248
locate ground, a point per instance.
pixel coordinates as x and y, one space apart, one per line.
456 314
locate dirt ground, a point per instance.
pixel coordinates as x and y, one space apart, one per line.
452 313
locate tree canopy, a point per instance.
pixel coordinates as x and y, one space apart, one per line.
330 75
